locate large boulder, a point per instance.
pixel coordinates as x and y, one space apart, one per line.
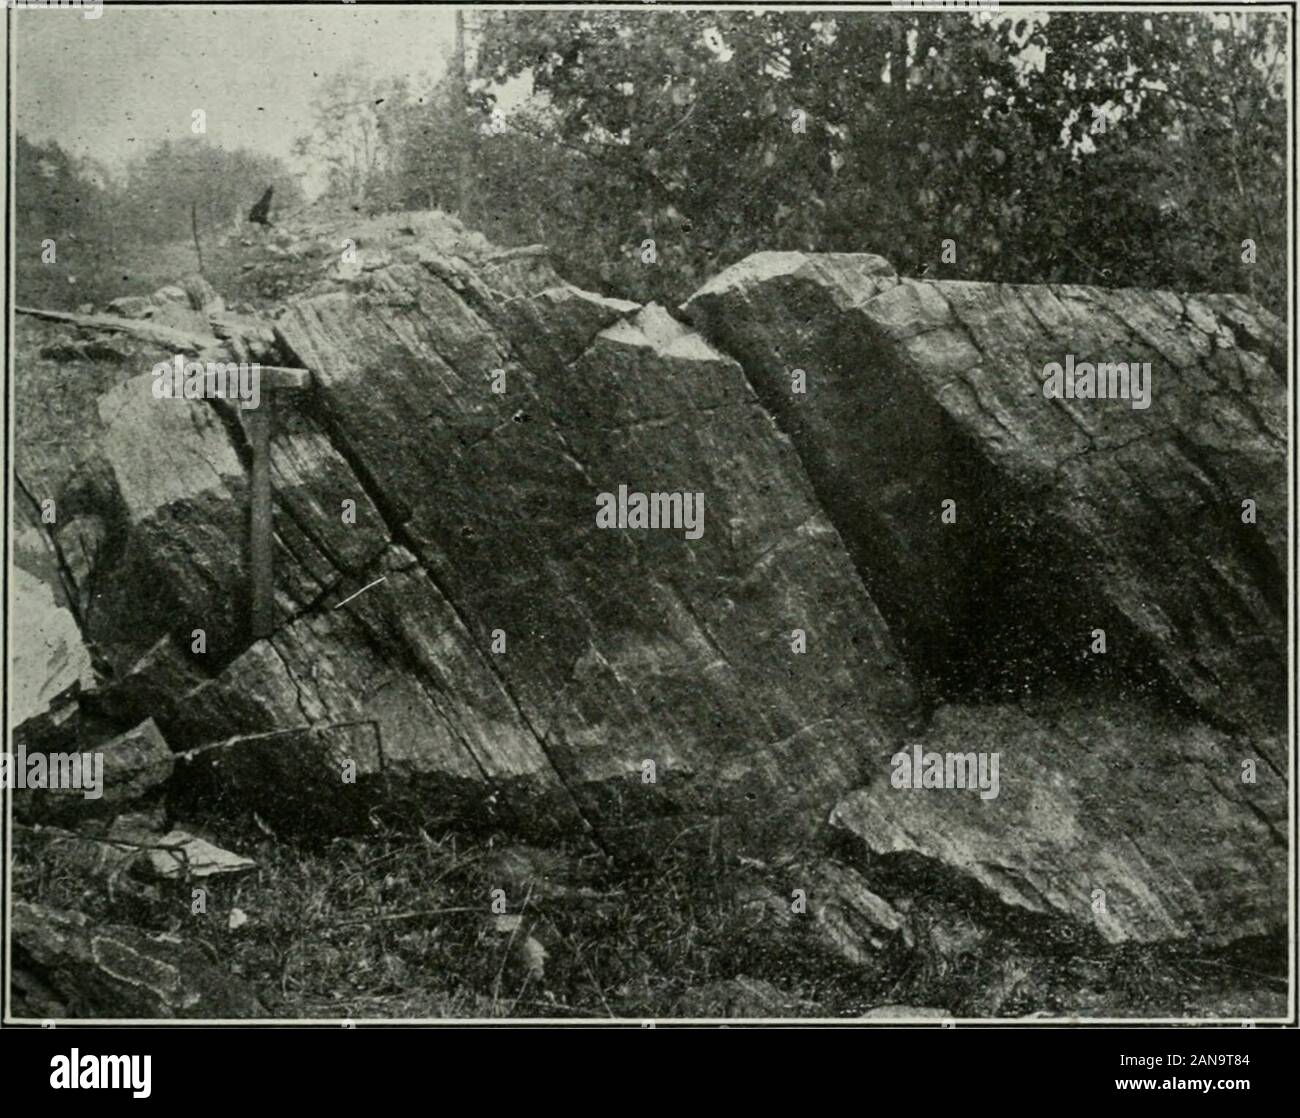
1120 809
1071 515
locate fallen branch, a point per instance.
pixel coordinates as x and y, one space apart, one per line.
168 337
42 829
383 918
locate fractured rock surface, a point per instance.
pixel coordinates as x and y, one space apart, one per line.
1071 514
455 626
67 967
1136 827
623 646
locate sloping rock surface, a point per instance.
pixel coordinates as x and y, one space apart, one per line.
621 648
456 633
67 967
1071 514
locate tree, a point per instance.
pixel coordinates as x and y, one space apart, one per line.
107 229
356 136
62 235
1108 148
163 182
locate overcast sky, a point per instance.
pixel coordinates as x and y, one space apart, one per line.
110 86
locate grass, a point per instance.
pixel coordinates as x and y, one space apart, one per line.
400 926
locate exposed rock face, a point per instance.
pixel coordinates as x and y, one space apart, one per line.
49 656
132 306
115 774
1136 827
456 627
623 647
1071 514
65 966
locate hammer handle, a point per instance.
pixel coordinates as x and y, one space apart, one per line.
261 530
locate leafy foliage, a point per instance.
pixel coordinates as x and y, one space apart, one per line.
1111 148
64 200
163 183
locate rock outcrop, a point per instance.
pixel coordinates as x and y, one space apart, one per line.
65 966
1070 514
458 630
1163 527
